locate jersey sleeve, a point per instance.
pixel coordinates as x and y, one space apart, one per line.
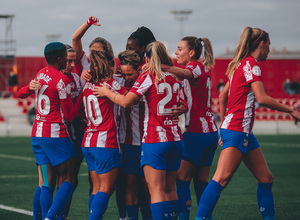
24 92
142 84
114 86
195 70
251 71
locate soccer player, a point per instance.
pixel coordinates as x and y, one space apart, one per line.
77 125
136 42
237 111
130 133
162 145
100 145
83 63
201 134
51 144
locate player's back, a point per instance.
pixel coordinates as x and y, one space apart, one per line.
55 86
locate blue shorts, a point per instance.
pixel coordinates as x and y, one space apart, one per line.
243 141
200 148
162 156
52 151
131 159
101 159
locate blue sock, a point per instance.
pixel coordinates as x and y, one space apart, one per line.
61 199
199 187
132 212
184 195
92 196
209 199
159 210
37 211
46 198
64 214
172 209
265 201
99 206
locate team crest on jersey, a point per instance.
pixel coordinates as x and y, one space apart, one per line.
116 85
247 71
256 70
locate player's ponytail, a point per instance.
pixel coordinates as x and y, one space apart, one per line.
248 42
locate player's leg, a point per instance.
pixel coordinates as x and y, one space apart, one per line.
171 195
107 186
256 163
37 211
107 164
156 180
184 177
62 156
132 206
229 160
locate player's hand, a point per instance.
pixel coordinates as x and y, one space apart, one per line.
177 111
100 91
295 114
220 142
34 85
93 21
86 75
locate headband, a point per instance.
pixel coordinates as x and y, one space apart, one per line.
261 31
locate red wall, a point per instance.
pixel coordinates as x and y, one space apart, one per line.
274 73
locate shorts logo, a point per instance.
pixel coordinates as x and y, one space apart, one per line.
245 143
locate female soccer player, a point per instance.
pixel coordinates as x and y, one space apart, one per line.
237 103
138 42
201 135
162 145
100 144
51 144
83 63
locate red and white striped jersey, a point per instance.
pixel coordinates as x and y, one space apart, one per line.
159 126
197 93
132 123
82 64
55 91
101 130
240 111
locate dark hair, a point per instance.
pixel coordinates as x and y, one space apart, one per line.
143 36
129 57
53 51
69 48
195 44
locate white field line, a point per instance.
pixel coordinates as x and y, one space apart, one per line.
22 211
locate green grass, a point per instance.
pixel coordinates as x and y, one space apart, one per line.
18 180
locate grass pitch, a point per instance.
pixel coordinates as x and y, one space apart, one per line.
18 180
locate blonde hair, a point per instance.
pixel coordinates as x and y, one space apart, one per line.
195 44
157 54
101 70
248 42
